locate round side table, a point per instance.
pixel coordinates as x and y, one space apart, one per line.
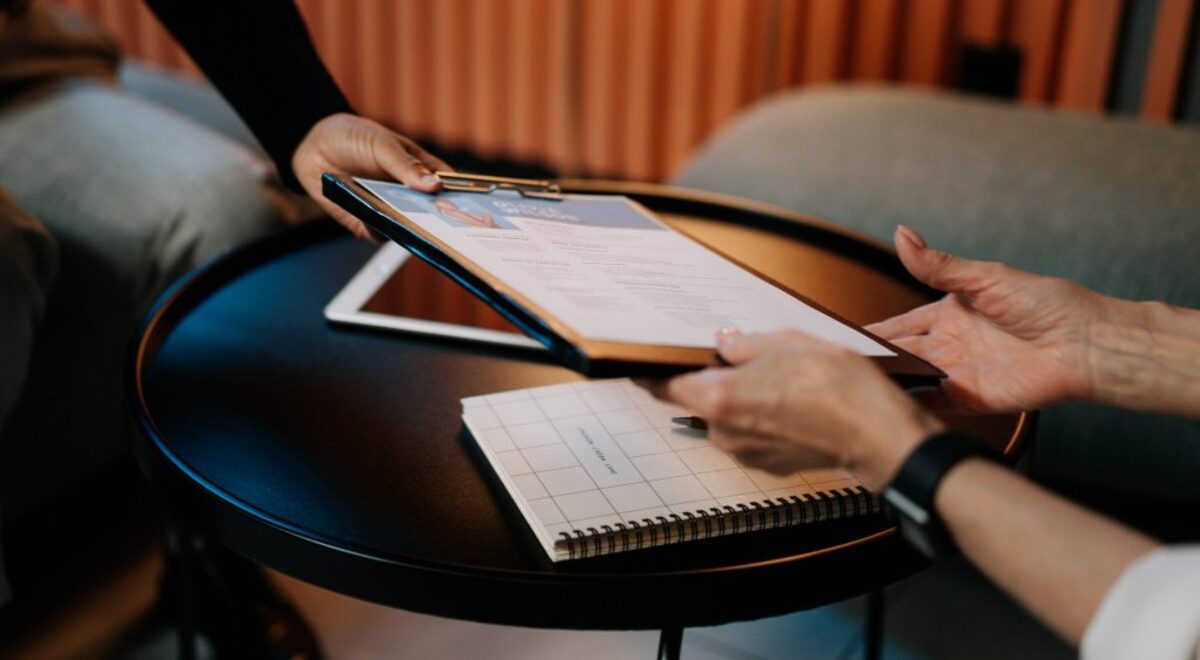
337 455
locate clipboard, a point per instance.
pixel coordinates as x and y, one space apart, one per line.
591 357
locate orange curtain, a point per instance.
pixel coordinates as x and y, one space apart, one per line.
627 88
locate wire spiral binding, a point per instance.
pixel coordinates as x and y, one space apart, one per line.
719 521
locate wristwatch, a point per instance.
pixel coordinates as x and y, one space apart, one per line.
909 498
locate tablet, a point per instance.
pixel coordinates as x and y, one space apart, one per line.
395 291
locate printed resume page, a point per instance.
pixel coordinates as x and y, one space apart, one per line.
610 270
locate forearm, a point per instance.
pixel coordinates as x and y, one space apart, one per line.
259 56
1056 558
1146 356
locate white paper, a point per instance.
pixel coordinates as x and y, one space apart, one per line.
610 270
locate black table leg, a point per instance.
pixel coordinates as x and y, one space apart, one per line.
670 643
181 563
874 632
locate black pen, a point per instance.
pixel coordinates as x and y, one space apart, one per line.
692 422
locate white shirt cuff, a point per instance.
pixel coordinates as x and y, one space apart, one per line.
1152 611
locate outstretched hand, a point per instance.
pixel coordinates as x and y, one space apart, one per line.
1008 340
354 146
791 402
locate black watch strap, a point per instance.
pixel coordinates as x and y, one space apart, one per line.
909 498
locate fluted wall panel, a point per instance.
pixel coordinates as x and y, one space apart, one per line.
627 88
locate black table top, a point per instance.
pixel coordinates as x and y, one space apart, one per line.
337 455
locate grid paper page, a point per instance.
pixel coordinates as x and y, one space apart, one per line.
593 453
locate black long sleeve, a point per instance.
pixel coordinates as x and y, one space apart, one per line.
259 55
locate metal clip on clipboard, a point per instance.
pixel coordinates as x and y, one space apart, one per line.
481 183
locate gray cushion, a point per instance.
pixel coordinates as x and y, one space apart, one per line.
194 99
1111 203
134 195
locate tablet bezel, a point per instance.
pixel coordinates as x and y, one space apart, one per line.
347 307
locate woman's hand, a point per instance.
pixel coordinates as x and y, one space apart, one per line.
1008 340
791 402
353 146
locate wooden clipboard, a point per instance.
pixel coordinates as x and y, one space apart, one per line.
587 356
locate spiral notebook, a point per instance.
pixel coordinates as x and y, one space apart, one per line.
598 467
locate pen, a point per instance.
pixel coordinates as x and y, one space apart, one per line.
692 422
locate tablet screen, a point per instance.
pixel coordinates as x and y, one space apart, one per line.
396 291
416 290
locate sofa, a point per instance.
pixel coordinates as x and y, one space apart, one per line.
124 186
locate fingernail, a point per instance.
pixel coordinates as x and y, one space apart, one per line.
430 178
728 332
912 236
